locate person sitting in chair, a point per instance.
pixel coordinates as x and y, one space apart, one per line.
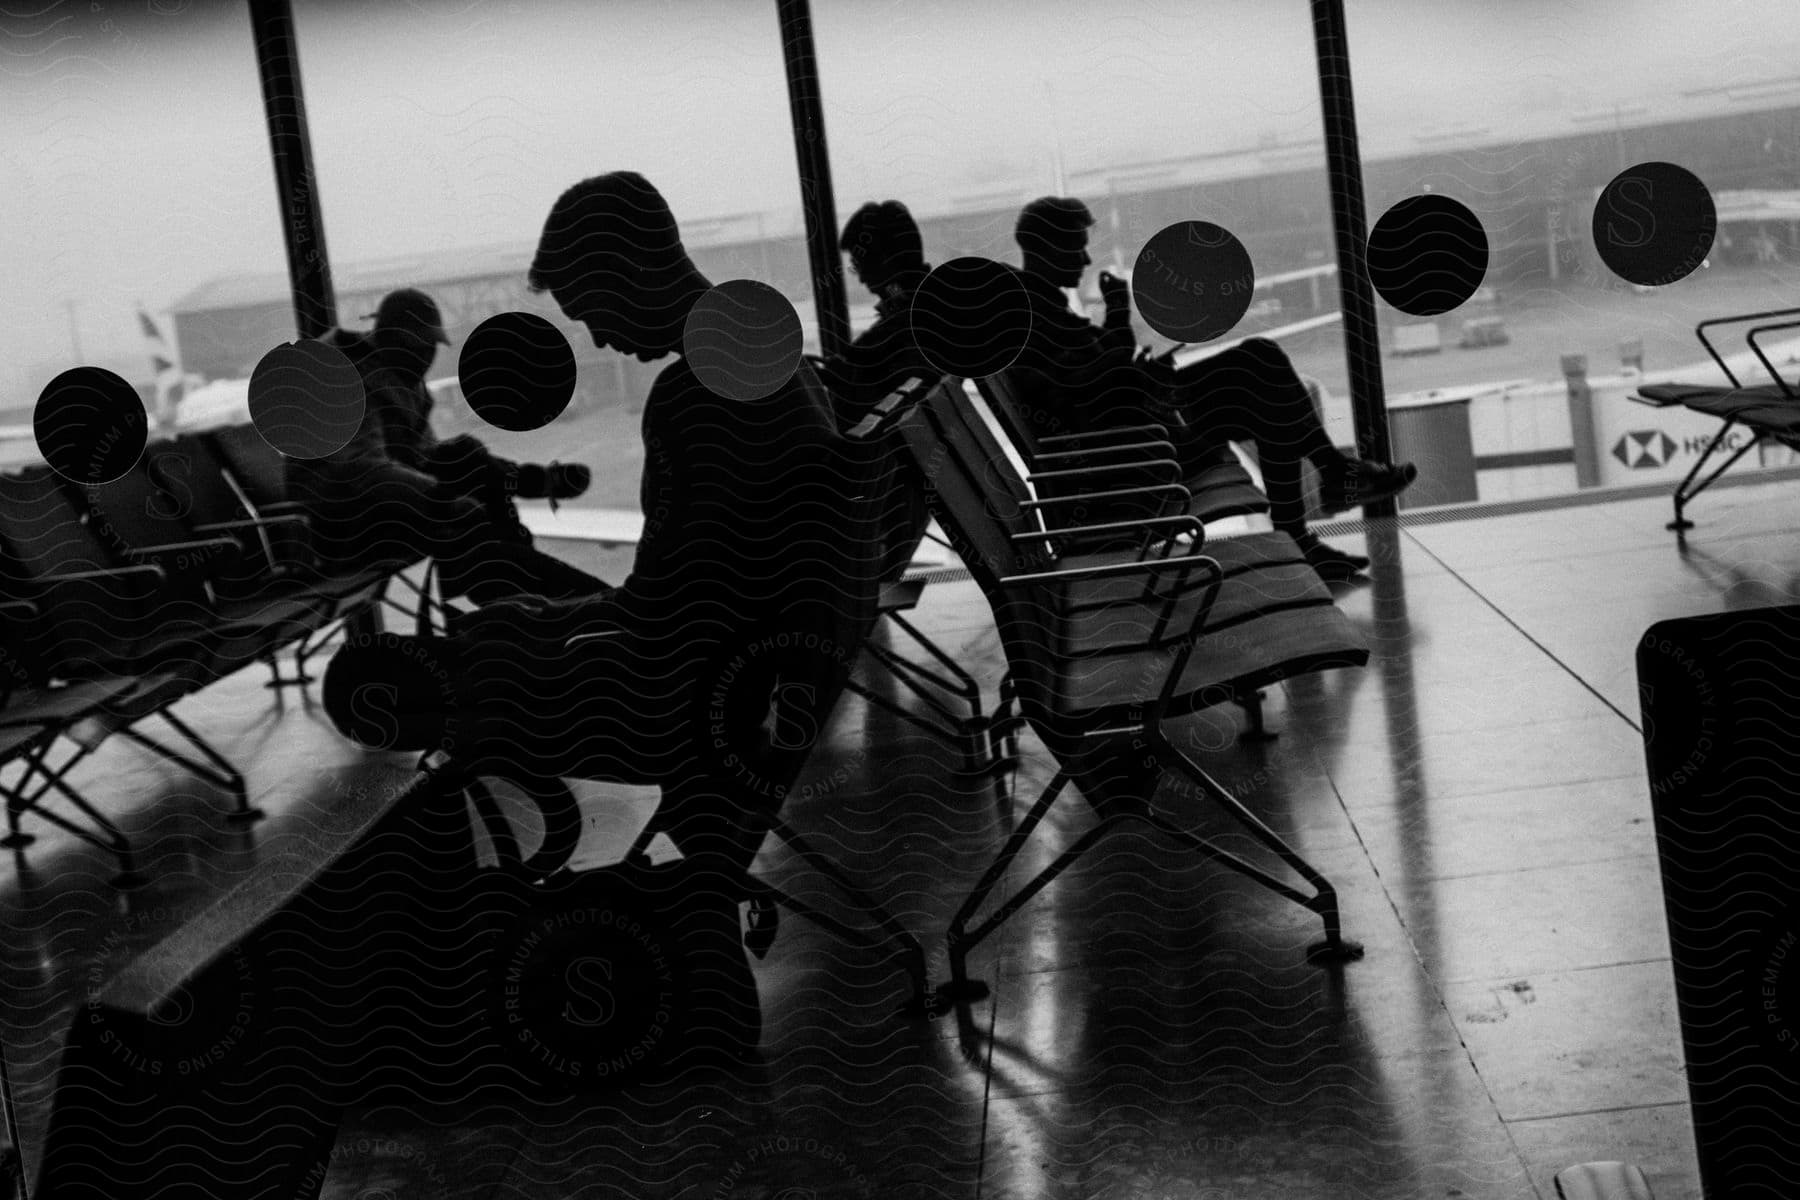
1250 392
726 484
394 493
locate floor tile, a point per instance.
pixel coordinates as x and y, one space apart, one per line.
1556 1043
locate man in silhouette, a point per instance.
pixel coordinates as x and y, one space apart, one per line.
729 491
1097 376
393 493
408 330
887 256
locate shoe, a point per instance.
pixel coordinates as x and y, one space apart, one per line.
1332 564
555 481
390 692
1356 482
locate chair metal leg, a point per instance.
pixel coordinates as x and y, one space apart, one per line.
1684 493
910 952
1335 947
1251 701
109 839
964 684
960 989
221 774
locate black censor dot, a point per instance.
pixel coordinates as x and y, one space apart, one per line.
971 317
588 995
1192 281
1427 255
517 372
1654 224
743 340
90 425
381 689
307 399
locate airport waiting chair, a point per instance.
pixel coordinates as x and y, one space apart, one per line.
256 473
100 615
1767 412
1220 488
1273 555
1099 715
195 483
35 714
902 526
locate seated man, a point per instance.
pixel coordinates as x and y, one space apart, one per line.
374 501
1098 377
729 485
887 256
408 330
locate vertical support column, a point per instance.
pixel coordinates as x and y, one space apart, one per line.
297 191
1582 435
830 300
309 269
1343 168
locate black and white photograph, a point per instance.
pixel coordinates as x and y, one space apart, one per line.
903 599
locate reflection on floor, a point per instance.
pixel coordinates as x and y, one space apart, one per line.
1477 794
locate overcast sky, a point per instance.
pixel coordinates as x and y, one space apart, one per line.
134 158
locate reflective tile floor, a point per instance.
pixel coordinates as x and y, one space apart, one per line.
1154 1029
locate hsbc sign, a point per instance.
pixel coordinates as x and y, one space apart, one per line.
1644 449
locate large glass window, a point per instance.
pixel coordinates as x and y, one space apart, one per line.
1148 113
136 175
443 133
1524 112
1153 113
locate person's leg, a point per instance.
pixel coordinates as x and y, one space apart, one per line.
1247 394
386 514
1252 393
623 708
485 568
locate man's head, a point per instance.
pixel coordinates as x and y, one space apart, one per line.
1052 232
611 257
409 329
883 243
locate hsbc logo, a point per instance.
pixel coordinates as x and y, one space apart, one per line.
1644 449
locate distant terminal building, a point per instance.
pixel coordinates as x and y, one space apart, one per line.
1534 197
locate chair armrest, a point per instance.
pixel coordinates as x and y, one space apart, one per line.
1170 489
579 638
1183 523
1140 466
1763 358
211 543
1168 449
1186 562
253 523
104 573
1734 319
1155 431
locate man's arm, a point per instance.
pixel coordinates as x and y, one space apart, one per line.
1117 294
